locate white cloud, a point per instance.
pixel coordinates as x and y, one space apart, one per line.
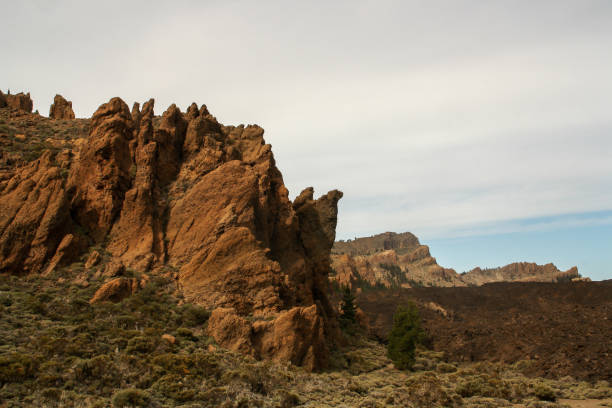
434 117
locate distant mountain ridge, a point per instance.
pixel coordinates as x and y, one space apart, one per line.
395 260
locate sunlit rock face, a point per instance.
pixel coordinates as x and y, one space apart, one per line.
393 260
184 193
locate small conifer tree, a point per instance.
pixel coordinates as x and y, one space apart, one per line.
404 336
348 316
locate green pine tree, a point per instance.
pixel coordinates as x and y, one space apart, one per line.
348 316
404 336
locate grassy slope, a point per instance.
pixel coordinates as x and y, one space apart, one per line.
58 350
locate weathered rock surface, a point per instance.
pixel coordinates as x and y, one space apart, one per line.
117 289
34 217
61 108
519 272
93 259
19 101
184 192
297 335
393 260
389 260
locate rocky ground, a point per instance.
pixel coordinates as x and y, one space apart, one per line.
558 328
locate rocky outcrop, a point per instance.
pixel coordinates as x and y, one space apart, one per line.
393 260
401 243
93 259
519 272
296 335
117 290
61 108
187 193
35 218
19 101
388 260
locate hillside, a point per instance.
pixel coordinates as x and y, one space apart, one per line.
152 350
558 328
393 260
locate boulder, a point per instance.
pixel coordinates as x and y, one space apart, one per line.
170 339
117 290
61 108
67 251
93 259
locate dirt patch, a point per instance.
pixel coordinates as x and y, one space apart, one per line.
560 329
591 403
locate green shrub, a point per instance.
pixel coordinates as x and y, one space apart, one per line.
176 387
484 386
404 336
194 315
140 344
50 373
185 333
52 394
544 392
125 322
172 362
82 345
426 390
98 370
34 305
5 299
16 367
289 400
131 397
446 368
348 316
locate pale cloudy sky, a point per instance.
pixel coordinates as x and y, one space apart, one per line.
470 123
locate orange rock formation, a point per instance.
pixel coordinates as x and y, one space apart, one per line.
61 108
186 192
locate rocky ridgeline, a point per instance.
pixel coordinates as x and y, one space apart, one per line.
187 196
399 260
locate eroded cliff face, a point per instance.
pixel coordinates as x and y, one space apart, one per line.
388 260
187 194
393 260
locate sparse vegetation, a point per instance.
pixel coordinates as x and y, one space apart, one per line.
24 137
58 350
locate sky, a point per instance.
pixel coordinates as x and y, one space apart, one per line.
483 127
